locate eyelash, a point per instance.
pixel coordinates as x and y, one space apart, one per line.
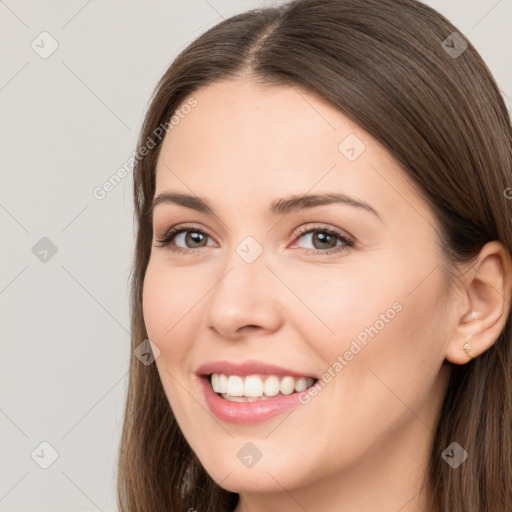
348 243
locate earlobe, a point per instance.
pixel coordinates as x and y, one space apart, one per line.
487 293
467 348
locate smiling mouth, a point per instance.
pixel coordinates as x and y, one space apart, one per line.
251 388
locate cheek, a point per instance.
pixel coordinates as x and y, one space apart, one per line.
390 349
152 308
377 318
337 305
167 307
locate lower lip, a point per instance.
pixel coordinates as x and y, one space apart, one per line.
246 412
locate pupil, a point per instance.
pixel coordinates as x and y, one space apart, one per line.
192 235
322 236
195 237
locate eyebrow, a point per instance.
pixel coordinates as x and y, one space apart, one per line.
281 206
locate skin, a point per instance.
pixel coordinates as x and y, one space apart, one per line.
363 442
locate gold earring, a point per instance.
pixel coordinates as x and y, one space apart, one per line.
467 348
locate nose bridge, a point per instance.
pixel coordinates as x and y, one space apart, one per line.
243 294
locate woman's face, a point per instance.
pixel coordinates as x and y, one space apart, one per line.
361 313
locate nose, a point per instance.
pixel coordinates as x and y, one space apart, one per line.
245 300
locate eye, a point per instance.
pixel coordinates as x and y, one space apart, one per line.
192 235
326 238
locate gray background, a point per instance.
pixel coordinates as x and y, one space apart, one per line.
68 122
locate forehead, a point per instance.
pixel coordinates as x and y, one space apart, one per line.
251 141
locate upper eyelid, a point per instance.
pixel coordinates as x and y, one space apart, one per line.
298 232
300 229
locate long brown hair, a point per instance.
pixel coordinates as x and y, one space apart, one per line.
390 66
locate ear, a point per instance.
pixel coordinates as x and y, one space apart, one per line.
483 312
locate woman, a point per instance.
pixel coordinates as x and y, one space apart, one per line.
323 267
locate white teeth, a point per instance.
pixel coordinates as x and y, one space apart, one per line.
215 382
271 386
252 387
287 385
301 384
223 383
235 386
239 398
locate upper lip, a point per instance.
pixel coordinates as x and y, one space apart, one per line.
248 368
